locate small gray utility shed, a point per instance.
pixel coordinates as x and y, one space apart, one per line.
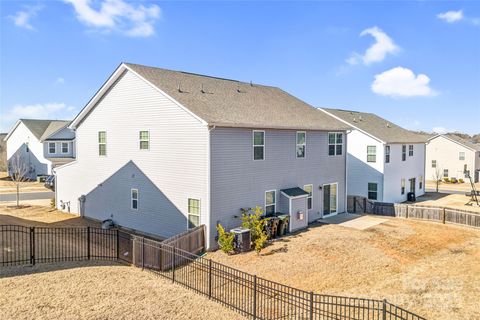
294 202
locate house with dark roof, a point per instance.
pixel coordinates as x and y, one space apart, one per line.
26 142
385 162
161 151
450 156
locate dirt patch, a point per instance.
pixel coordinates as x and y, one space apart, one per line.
99 291
40 216
428 268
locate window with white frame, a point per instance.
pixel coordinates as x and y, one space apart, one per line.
270 202
134 198
372 191
402 187
193 213
258 145
102 143
335 143
387 154
65 147
371 154
410 150
445 173
301 144
420 182
144 140
52 147
461 156
309 188
404 152
434 163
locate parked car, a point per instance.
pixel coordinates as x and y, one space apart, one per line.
50 182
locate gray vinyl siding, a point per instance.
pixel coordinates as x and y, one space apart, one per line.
298 204
174 169
58 149
238 181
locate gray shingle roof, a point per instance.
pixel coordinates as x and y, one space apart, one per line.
465 142
44 128
232 103
378 127
295 192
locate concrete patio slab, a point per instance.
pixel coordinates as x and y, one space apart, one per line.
354 221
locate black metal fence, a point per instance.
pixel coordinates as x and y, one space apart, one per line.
30 245
250 295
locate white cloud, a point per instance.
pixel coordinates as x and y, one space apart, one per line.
402 82
36 111
442 130
60 80
119 16
451 16
378 51
22 18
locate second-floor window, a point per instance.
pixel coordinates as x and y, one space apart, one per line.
144 140
65 147
410 150
52 147
258 145
387 154
335 143
404 153
371 154
102 143
461 156
270 202
301 144
434 163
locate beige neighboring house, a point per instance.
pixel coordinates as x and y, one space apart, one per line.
452 156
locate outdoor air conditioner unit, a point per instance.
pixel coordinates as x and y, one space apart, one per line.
242 239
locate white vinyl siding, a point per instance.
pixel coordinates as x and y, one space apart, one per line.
258 145
301 144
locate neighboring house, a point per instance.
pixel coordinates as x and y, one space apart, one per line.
449 156
25 140
3 153
59 147
160 151
385 162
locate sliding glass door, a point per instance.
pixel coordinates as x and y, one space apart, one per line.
330 199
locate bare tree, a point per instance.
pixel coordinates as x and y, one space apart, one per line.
437 175
19 171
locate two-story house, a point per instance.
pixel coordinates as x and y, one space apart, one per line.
161 151
385 162
450 156
25 142
59 147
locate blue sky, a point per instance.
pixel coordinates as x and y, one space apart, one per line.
416 63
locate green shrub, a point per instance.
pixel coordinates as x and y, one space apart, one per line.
256 224
461 180
446 180
453 180
225 239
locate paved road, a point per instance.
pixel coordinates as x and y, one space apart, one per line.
28 196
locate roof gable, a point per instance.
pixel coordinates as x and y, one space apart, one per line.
228 103
456 139
41 129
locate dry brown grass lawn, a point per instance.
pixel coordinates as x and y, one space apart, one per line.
99 291
8 186
447 200
428 268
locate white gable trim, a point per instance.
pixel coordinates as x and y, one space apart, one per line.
356 128
13 129
107 85
448 138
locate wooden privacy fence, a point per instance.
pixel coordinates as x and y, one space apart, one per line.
411 211
250 295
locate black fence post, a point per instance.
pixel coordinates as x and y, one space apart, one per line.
311 305
118 245
209 279
173 264
88 243
354 204
255 297
32 246
384 310
364 205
